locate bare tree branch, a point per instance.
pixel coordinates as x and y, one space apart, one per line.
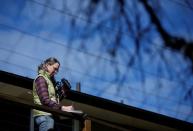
175 43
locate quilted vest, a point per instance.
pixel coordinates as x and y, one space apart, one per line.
51 92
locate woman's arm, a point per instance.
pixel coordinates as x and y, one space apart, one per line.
42 91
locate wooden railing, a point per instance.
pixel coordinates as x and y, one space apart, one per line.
78 120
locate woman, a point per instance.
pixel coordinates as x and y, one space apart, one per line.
44 93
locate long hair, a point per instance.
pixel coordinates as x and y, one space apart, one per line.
49 61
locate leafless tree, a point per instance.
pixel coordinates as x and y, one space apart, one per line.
129 34
123 24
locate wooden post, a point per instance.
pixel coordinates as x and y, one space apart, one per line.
87 123
78 87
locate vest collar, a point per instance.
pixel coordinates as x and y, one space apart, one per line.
45 73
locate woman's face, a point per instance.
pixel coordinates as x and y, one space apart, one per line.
53 69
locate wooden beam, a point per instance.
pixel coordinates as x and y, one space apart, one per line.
87 125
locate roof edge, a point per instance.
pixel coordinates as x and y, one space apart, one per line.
25 82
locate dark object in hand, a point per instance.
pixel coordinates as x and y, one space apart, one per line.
62 87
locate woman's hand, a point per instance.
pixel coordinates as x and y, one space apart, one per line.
67 108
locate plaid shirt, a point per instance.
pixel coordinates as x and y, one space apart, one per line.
42 91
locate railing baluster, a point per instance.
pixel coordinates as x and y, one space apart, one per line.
31 120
